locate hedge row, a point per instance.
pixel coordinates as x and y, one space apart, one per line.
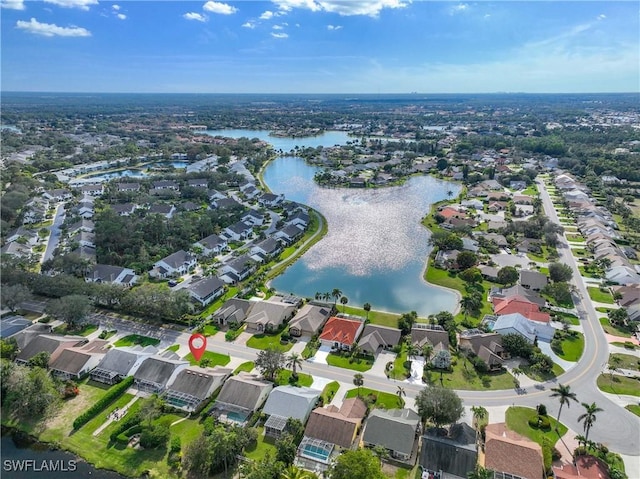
114 393
129 422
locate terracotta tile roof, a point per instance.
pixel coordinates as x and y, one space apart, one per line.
586 467
341 330
508 451
519 304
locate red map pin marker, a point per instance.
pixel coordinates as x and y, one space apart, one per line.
197 345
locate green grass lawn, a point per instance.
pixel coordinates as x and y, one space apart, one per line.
263 445
602 309
469 379
517 420
215 359
401 366
246 367
209 330
576 238
634 408
627 345
375 317
84 330
531 190
329 391
619 385
572 347
627 361
600 296
266 341
345 362
136 339
173 348
536 376
383 400
284 378
614 330
571 318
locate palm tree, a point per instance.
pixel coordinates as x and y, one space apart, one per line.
589 417
294 361
293 472
344 300
480 473
582 441
358 380
479 413
400 393
367 308
565 396
318 295
335 294
614 365
427 350
449 193
355 350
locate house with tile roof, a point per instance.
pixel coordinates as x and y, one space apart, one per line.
584 467
508 452
234 310
487 346
435 335
394 429
51 343
341 333
518 324
521 305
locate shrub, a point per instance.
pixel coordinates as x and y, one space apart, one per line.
124 425
541 409
122 439
154 436
540 422
114 393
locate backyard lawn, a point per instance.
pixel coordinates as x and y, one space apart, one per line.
572 347
599 296
375 317
619 385
517 419
383 400
266 341
469 379
264 444
215 359
347 362
136 339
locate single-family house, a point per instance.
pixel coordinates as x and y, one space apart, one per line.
193 386
198 183
486 346
165 185
341 333
206 290
241 396
508 452
488 272
57 194
234 310
299 218
177 263
533 280
521 305
25 236
622 275
238 231
119 363
376 338
454 452
270 200
447 259
394 429
128 187
216 195
104 273
309 320
212 245
84 209
516 323
10 325
124 209
470 245
237 269
269 247
92 190
226 204
16 249
156 372
253 218
251 192
288 235
498 239
162 209
51 343
423 334
523 199
82 225
269 315
75 362
286 402
336 426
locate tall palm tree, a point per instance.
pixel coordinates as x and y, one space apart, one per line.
358 380
427 350
582 441
565 396
335 294
344 300
614 365
400 393
589 417
479 413
480 473
294 361
293 472
367 308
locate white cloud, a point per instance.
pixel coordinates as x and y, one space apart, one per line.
121 16
51 30
278 27
219 8
334 27
115 7
602 16
81 4
13 4
195 16
371 8
266 15
279 35
249 24
459 8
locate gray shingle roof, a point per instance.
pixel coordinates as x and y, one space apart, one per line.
197 382
157 370
290 401
395 429
122 360
310 318
244 390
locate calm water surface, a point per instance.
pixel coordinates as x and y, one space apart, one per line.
375 250
328 138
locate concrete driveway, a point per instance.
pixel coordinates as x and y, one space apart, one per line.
321 355
380 364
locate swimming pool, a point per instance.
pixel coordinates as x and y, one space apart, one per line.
315 449
236 416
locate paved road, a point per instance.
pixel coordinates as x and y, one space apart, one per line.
54 236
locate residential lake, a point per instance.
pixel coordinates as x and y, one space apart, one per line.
286 144
376 249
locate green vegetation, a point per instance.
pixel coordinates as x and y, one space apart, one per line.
174 348
602 309
517 419
614 330
347 362
571 346
570 318
266 341
599 296
469 379
376 317
627 345
209 358
83 330
634 408
263 446
245 367
136 339
329 391
626 361
401 365
382 399
540 376
114 393
615 384
284 377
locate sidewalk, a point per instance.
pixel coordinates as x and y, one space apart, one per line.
546 349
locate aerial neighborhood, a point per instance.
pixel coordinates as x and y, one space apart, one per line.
122 239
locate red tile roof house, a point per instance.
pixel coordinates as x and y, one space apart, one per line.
448 212
519 304
586 467
341 333
510 453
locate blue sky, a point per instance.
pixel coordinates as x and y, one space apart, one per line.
320 46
